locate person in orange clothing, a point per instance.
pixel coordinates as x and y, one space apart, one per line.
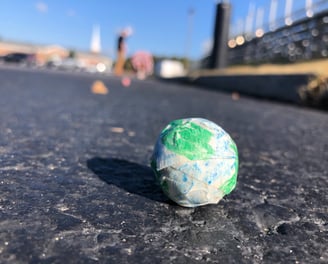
121 52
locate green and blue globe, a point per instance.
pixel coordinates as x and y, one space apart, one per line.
195 162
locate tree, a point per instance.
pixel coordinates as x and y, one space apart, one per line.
72 54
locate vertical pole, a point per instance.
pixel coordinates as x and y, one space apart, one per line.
218 57
308 8
273 14
249 21
189 35
259 30
288 12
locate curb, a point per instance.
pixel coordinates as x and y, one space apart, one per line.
303 89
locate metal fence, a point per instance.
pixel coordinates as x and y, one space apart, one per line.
304 39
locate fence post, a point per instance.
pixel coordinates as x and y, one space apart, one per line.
218 58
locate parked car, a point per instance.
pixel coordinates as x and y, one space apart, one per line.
54 62
67 64
20 58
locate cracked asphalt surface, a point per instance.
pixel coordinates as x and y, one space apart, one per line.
76 186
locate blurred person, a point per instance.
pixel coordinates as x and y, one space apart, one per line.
121 51
142 62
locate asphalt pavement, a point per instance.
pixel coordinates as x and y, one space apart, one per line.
76 185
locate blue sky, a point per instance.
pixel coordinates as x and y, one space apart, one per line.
160 27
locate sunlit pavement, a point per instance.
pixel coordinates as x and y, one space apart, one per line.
76 186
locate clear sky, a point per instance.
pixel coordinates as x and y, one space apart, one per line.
164 28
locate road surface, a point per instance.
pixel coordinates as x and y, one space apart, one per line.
76 186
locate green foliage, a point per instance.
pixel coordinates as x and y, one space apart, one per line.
72 54
128 65
185 61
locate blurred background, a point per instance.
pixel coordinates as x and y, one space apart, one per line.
81 35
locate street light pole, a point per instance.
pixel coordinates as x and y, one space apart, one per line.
191 12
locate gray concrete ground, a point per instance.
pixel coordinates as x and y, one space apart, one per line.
76 186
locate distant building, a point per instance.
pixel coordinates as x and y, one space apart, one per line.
43 53
46 53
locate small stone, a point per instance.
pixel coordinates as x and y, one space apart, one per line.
98 87
126 81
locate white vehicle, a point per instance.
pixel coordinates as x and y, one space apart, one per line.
169 69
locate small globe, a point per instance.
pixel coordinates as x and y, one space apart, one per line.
195 162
